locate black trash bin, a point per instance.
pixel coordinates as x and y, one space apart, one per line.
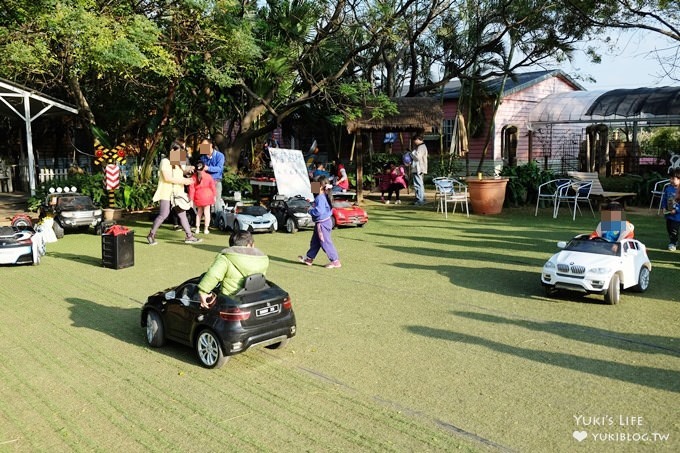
118 250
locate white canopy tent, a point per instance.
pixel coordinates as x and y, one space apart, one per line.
29 105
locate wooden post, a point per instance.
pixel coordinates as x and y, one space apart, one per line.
360 171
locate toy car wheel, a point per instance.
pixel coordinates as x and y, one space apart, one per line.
209 350
272 229
614 292
58 229
21 220
643 280
98 230
290 226
220 223
154 329
279 345
335 224
236 227
361 225
549 290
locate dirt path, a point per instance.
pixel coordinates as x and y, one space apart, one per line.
12 204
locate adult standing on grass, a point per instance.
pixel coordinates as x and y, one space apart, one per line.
321 213
419 167
213 159
171 181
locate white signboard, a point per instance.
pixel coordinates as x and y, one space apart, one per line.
290 172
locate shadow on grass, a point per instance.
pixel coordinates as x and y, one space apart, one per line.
657 378
91 260
122 324
655 344
508 282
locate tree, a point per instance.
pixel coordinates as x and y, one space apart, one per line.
661 17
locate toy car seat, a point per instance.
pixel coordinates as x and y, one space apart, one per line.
253 283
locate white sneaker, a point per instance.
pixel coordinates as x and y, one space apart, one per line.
387 201
397 202
671 247
206 231
197 230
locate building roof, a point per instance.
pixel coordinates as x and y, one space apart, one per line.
416 114
513 84
12 101
653 105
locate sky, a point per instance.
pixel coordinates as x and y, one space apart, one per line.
632 65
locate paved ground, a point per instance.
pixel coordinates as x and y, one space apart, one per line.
12 204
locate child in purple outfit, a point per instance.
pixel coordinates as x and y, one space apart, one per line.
321 213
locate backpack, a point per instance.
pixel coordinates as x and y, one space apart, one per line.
407 158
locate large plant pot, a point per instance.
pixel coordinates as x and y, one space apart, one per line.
487 195
112 214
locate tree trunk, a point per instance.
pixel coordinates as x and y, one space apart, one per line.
152 149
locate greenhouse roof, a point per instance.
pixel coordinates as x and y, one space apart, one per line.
655 106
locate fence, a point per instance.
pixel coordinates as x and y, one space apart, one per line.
48 174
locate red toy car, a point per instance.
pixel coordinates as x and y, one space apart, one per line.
346 211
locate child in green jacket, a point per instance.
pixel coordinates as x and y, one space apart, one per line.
232 265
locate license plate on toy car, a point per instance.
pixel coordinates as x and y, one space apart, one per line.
268 310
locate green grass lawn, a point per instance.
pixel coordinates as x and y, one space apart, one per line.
434 336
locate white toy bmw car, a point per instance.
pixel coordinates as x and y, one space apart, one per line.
597 266
20 245
248 218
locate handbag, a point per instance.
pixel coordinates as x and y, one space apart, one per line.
180 201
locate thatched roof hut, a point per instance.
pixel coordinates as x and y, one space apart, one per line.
415 114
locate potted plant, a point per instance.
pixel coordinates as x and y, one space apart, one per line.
487 194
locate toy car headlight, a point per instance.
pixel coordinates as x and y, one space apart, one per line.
549 265
59 190
600 270
67 214
97 212
246 221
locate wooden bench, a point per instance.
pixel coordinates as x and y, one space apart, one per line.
597 189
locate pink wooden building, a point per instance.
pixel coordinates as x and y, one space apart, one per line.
511 141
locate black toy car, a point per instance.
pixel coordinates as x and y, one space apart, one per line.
261 314
71 211
291 213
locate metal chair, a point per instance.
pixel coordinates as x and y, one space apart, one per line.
577 192
657 192
449 190
548 192
437 193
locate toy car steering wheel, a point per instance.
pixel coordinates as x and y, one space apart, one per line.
212 298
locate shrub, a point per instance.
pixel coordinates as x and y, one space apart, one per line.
235 182
523 184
